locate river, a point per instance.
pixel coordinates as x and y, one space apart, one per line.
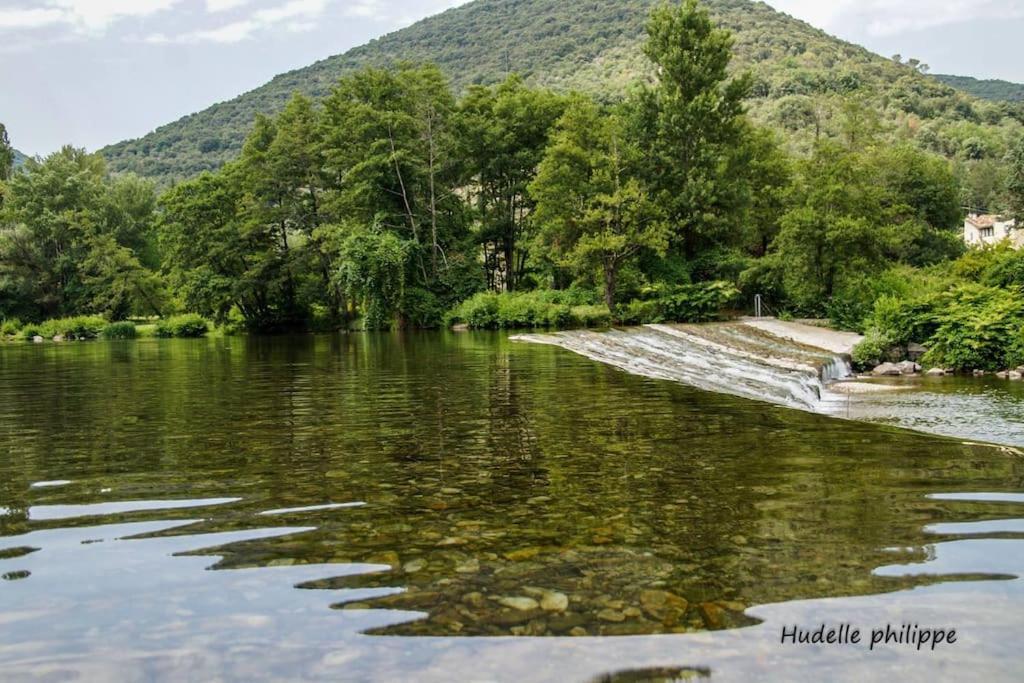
462 507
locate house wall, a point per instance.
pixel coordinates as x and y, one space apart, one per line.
1001 230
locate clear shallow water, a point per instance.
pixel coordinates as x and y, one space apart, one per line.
986 409
398 508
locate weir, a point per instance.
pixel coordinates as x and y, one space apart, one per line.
731 358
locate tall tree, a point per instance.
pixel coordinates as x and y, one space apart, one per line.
688 123
591 209
215 258
503 133
834 230
6 155
74 238
1015 184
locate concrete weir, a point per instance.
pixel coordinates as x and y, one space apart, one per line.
789 364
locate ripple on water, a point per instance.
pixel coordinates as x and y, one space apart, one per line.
504 490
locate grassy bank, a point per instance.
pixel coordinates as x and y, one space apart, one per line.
86 328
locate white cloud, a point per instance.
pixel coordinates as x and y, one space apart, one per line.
214 6
97 15
886 18
295 16
29 18
295 9
82 16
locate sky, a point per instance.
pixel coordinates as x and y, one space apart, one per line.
94 72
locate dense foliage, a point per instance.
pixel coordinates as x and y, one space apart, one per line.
801 77
72 240
986 89
969 313
393 202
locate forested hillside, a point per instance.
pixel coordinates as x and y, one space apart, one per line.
989 89
803 78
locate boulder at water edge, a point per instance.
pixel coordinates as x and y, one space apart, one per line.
887 370
909 368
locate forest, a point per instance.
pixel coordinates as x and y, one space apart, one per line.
400 201
802 78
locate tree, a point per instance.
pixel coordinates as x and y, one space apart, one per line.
214 260
687 124
6 155
503 133
373 271
77 241
1015 184
920 202
591 209
834 230
392 165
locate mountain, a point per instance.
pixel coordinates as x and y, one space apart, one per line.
990 89
803 76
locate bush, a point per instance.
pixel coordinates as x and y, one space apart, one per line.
10 328
697 303
529 310
420 309
978 328
77 328
592 316
183 326
123 330
873 351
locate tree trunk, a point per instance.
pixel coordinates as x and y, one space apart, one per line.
610 282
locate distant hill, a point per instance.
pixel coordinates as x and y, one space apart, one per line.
802 77
19 159
990 89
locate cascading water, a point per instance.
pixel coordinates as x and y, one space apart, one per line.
730 358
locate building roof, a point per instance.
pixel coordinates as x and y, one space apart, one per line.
986 221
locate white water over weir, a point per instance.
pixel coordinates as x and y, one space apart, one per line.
730 358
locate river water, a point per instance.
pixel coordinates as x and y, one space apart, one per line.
462 507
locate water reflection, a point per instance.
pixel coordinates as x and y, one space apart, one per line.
462 486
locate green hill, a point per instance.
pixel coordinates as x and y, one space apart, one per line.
804 76
989 89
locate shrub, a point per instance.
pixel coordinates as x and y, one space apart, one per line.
420 308
697 303
529 310
592 316
978 328
183 326
10 328
873 351
1016 354
77 328
122 330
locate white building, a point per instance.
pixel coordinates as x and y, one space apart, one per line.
982 230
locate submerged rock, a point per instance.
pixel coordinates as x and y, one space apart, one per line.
668 608
612 615
1014 375
37 339
554 602
936 372
519 603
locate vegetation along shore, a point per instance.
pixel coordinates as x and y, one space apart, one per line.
401 199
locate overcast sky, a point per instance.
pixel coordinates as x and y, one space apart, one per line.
93 72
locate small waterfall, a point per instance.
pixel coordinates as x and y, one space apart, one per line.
730 358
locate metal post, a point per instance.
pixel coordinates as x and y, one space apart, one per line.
758 306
